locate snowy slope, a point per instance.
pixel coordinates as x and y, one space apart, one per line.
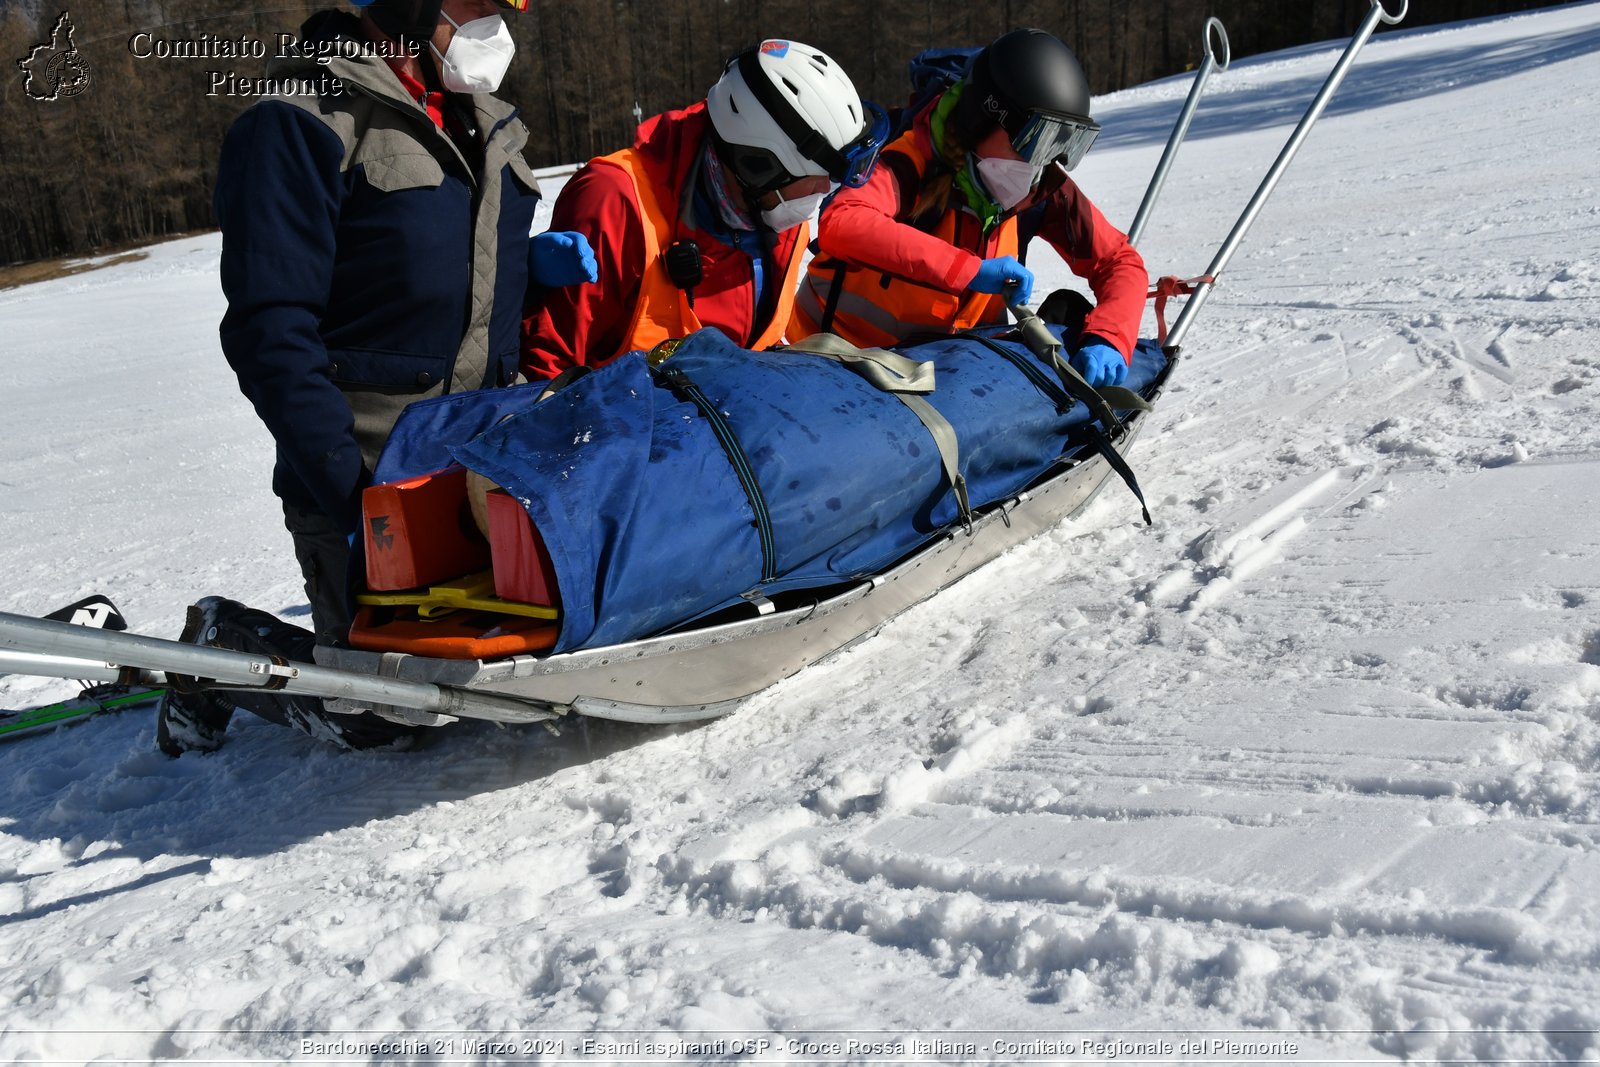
1314 760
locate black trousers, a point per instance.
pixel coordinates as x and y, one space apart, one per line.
323 551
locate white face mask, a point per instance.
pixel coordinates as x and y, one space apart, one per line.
478 55
791 213
1009 181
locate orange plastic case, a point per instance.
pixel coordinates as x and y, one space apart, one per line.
419 531
425 597
458 635
522 567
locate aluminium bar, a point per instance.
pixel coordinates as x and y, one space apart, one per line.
1158 180
1203 289
245 670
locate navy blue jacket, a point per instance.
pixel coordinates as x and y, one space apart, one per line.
366 263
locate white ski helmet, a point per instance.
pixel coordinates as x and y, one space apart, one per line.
784 110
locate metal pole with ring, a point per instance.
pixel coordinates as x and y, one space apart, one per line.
1203 289
1180 129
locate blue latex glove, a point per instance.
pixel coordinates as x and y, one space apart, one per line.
996 273
1100 364
559 259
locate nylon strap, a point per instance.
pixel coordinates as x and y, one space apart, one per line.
885 368
677 379
1170 286
835 289
1100 402
905 379
1063 400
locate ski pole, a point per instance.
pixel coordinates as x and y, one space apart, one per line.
1270 182
40 638
1208 64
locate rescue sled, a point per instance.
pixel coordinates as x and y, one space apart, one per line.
700 669
705 668
704 665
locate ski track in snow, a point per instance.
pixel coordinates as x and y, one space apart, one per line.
1318 753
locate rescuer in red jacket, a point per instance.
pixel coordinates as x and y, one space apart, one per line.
703 221
934 242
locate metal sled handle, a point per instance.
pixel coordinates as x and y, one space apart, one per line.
1248 217
1405 5
1215 24
1208 64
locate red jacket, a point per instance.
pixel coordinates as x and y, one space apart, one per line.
868 227
589 324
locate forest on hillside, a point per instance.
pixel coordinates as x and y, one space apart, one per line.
132 155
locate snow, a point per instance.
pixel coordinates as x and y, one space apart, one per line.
1311 766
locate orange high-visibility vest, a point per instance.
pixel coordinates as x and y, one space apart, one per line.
875 309
662 310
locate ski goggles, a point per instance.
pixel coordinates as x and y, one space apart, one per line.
1046 137
861 157
514 5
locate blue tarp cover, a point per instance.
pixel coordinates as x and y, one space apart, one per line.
647 524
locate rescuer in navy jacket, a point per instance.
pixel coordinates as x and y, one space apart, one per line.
375 217
360 273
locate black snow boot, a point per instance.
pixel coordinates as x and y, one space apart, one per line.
190 722
196 721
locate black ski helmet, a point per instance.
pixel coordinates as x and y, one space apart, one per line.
1022 72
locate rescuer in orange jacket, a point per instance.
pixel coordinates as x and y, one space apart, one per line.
703 221
934 242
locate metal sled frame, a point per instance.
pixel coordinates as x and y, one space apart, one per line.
704 672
